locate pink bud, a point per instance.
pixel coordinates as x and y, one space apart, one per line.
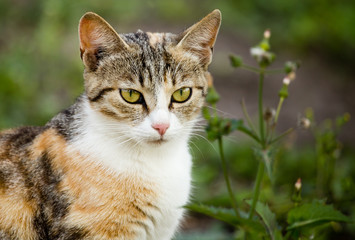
267 34
298 184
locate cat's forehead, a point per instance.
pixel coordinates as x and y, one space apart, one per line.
150 39
151 60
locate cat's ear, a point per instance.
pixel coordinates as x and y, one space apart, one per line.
199 39
97 39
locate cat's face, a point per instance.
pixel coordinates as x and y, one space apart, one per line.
149 87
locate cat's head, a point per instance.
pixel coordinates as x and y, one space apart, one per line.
148 87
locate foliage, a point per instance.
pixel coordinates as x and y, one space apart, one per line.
303 218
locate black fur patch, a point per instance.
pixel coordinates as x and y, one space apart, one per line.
64 121
54 204
24 136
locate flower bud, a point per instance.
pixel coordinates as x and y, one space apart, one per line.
286 81
304 123
236 61
298 184
267 34
291 75
269 114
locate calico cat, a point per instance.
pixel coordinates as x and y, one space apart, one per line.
114 165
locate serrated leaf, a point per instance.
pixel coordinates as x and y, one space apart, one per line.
228 216
314 214
269 219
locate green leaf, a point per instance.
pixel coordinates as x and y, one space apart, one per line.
212 132
268 218
248 132
314 214
236 124
228 216
236 61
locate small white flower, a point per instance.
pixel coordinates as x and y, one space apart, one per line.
286 81
257 52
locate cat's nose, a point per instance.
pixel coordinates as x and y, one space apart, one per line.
161 127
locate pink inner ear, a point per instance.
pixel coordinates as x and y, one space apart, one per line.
88 34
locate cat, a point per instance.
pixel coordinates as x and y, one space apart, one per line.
115 164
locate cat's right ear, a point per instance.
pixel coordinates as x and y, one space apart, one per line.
97 39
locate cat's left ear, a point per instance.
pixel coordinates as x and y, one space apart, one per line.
199 39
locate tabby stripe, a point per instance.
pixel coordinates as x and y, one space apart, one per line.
100 94
141 79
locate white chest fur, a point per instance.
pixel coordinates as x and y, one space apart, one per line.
167 167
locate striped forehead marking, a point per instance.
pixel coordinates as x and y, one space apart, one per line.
152 60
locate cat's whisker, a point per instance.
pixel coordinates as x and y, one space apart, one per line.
225 114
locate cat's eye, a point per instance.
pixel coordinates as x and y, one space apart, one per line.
181 95
131 96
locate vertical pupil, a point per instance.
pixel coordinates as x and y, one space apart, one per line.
181 92
130 93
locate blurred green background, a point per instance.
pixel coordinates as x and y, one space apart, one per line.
41 73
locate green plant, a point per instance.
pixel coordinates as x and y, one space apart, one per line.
328 149
304 219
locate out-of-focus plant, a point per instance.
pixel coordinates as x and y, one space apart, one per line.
328 149
260 222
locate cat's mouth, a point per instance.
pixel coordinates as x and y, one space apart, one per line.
158 141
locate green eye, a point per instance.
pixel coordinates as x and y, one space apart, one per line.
182 95
130 95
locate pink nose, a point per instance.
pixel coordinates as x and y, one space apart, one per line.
161 127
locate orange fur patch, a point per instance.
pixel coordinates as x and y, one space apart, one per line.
16 215
104 204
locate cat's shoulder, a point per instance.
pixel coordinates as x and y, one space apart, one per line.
20 137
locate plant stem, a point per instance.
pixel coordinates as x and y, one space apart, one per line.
256 193
249 133
214 106
250 68
261 70
245 111
281 136
261 112
226 178
279 109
